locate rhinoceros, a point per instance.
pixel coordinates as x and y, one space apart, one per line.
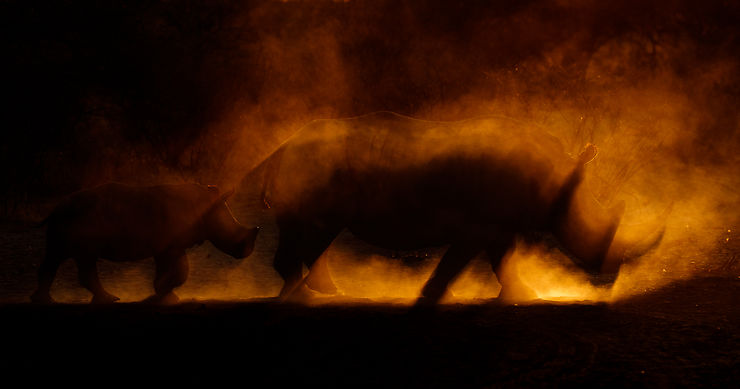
402 184
120 222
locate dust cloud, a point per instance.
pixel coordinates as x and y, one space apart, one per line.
658 100
655 85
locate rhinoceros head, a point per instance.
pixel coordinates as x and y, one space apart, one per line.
591 234
224 231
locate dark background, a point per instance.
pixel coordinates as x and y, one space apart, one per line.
147 91
173 91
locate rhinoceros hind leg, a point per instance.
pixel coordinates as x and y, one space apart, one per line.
300 245
500 246
171 271
46 274
452 263
87 272
40 297
104 298
319 277
287 263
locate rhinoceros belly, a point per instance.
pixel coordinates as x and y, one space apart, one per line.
413 216
407 231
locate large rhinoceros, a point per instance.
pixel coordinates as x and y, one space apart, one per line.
401 183
122 223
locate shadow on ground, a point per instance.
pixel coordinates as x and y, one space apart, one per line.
685 334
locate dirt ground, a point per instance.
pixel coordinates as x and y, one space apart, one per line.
684 334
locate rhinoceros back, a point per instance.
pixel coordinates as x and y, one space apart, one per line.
326 156
122 222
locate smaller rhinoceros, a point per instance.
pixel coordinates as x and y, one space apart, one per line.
121 222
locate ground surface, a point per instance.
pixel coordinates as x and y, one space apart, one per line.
686 334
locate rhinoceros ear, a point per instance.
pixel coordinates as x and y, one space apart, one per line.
588 154
227 194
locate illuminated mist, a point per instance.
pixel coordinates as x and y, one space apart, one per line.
655 85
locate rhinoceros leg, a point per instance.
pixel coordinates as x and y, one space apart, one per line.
287 263
497 250
87 273
46 274
319 278
449 267
299 245
171 271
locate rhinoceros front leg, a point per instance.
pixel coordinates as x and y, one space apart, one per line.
87 273
452 263
511 288
171 271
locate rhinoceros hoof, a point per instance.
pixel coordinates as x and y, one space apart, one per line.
42 298
424 305
164 299
302 294
321 284
327 289
517 293
106 298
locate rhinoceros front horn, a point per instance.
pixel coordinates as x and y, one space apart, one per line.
633 241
